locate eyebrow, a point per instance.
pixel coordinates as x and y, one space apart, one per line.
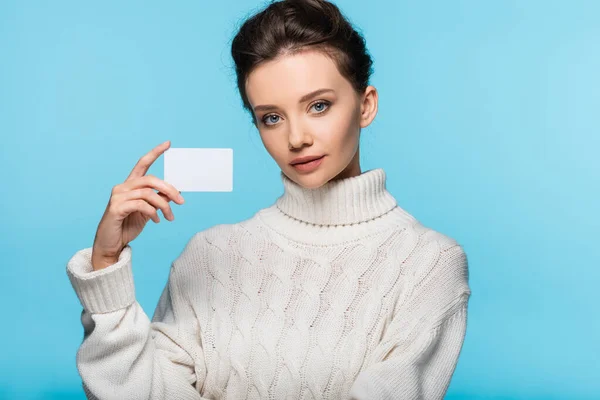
267 107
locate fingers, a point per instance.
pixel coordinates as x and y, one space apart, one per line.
150 197
153 182
142 206
163 187
147 160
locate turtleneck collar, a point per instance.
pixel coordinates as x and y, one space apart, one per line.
340 202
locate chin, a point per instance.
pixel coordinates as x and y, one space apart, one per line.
309 181
304 180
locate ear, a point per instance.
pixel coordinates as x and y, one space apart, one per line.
368 107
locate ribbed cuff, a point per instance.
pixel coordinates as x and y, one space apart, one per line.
105 290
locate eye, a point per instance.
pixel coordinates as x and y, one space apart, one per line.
320 102
269 117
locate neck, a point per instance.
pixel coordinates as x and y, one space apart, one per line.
342 201
340 211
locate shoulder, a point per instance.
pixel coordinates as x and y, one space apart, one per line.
436 256
205 254
436 274
219 238
420 237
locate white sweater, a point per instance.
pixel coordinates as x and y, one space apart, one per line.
330 293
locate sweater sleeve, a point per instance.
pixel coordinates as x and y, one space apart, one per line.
419 351
124 354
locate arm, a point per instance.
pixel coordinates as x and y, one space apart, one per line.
124 355
419 351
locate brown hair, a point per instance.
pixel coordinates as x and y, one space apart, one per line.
290 26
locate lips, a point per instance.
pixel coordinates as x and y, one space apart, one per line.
306 160
309 166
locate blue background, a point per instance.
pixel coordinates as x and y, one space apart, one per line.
488 131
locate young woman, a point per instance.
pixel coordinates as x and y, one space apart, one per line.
333 292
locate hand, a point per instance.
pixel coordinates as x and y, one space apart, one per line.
131 204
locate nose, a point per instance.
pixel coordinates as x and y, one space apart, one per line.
298 137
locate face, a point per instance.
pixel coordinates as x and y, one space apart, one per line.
294 123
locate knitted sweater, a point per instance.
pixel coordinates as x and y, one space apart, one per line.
330 293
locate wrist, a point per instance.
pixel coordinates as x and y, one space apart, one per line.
101 262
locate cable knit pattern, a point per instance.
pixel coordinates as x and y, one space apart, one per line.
330 293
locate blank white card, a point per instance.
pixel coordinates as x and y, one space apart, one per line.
199 169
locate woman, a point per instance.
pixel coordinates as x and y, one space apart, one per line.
333 292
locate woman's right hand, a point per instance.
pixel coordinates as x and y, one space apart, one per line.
131 204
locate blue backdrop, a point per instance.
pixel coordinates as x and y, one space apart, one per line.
488 131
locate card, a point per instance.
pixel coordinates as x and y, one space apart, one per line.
199 169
